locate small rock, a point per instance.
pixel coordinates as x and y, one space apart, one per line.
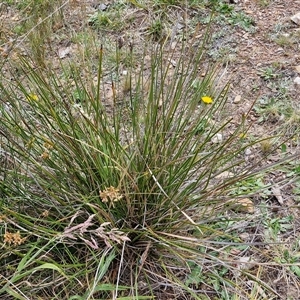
179 26
248 151
297 80
102 7
173 62
297 68
225 175
237 99
296 18
218 138
245 236
173 45
64 52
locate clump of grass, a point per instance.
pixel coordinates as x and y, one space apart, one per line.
123 201
156 29
228 14
42 18
268 73
279 110
110 19
266 146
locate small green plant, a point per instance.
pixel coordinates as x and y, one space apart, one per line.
240 19
268 109
281 34
292 258
156 29
264 3
228 14
252 186
105 20
284 40
110 19
167 2
224 8
296 192
224 54
266 146
268 73
276 226
279 111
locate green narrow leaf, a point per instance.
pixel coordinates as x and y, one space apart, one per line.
296 270
25 260
283 148
76 297
15 294
109 287
51 267
137 298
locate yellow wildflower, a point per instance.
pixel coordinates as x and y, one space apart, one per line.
32 97
207 100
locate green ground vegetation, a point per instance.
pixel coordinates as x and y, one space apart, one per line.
123 175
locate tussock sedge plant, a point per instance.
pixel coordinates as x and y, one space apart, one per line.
122 201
